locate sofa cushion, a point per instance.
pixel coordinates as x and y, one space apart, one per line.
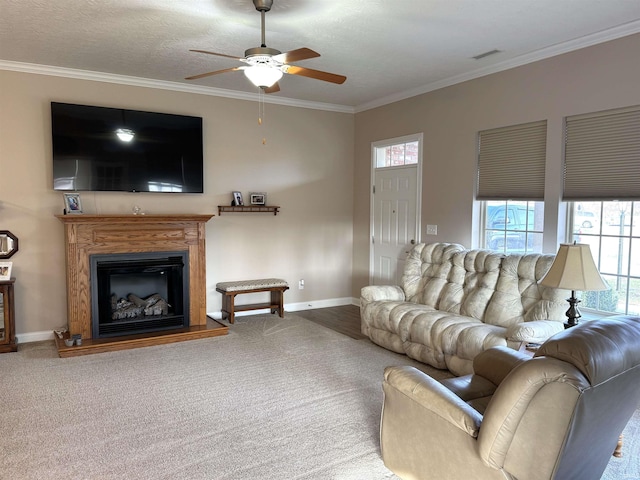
390 316
519 297
427 271
436 337
471 284
385 323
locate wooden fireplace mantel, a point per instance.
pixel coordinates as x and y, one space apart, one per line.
86 235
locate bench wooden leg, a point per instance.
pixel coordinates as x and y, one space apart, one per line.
277 298
228 301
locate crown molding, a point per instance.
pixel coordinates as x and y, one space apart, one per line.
164 85
620 31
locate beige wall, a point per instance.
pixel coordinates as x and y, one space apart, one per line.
592 79
306 167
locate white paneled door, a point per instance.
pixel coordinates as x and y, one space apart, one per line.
395 221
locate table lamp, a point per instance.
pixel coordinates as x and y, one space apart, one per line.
574 269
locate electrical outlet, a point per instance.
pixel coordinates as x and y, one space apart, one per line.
301 284
432 229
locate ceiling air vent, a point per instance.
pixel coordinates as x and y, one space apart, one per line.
486 54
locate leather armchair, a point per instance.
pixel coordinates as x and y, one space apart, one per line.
557 415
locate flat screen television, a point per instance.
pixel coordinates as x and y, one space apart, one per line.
112 149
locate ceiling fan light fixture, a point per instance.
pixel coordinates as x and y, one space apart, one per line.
265 66
263 76
125 134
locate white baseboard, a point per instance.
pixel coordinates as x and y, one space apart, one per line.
34 336
297 307
288 307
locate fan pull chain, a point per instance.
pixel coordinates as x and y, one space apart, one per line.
261 111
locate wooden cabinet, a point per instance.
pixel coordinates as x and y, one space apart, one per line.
7 313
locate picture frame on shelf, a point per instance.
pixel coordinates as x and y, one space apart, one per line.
5 270
237 199
258 198
72 203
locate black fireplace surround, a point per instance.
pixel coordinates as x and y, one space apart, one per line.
142 274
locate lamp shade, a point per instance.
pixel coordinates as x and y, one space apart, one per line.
263 75
574 269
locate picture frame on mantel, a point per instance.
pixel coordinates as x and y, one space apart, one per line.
5 270
72 203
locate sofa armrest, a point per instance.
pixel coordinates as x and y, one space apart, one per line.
374 293
537 331
435 397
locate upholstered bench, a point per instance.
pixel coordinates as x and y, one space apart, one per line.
229 290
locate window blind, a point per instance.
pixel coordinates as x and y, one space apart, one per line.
602 156
511 162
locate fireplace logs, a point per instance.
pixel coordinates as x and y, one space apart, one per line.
134 306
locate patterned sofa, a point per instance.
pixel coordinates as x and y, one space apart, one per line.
455 303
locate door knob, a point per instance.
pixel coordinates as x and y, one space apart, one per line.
413 242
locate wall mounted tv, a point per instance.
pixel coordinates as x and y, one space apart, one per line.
112 149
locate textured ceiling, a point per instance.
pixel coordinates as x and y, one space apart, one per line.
388 49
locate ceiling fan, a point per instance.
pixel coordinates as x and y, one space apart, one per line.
265 66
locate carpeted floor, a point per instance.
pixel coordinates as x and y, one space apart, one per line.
275 399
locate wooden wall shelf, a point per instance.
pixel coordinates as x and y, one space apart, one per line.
248 209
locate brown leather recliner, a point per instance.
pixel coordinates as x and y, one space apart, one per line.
557 415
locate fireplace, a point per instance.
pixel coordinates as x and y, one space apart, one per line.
139 292
155 240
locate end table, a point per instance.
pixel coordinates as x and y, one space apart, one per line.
7 314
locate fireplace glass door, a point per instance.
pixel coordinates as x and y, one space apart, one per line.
139 293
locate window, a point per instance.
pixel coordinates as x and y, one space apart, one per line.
601 164
397 155
511 171
612 230
513 226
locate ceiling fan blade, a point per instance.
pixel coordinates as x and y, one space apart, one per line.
317 74
296 55
208 74
217 54
272 89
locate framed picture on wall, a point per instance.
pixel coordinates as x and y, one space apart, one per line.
237 199
5 270
72 203
258 198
